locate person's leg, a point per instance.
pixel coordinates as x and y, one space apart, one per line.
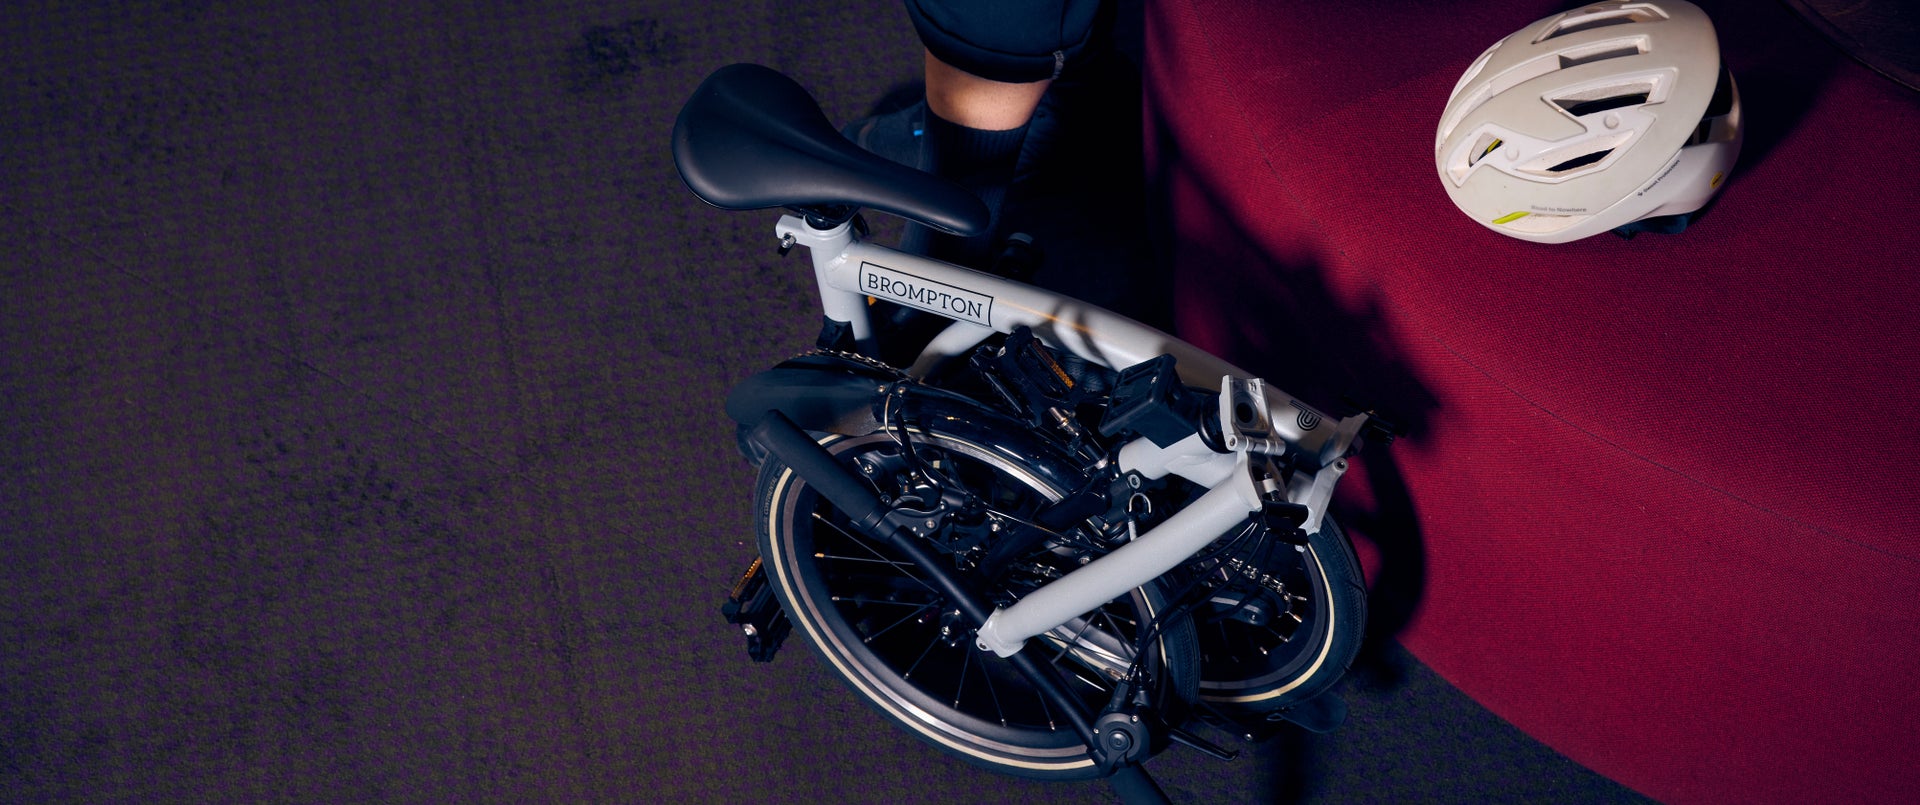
968 100
974 128
987 66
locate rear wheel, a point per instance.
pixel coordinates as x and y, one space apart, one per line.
905 649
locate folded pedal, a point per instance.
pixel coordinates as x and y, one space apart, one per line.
753 608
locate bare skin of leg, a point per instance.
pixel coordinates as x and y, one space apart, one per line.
965 99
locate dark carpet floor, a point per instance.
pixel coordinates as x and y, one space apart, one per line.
361 439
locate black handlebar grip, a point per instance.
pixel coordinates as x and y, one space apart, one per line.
809 460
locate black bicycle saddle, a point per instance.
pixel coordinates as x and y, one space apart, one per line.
751 138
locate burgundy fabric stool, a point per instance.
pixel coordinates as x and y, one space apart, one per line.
1659 504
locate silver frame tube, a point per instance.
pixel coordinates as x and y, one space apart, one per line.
1159 550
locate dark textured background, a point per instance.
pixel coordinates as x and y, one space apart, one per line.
360 428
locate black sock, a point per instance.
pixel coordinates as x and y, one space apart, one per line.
979 160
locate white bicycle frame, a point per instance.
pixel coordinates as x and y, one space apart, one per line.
849 271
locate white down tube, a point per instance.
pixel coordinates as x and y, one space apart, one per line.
1153 553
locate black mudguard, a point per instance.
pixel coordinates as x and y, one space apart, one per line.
819 393
827 394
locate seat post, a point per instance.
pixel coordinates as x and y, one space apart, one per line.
828 248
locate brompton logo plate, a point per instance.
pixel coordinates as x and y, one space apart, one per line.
919 292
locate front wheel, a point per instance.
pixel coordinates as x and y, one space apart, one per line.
1283 623
904 648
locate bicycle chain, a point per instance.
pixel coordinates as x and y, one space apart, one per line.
1259 576
875 363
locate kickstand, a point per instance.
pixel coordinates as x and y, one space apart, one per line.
1135 787
1321 714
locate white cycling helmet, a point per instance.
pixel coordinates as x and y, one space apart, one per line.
1590 120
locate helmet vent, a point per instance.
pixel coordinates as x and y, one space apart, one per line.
1713 124
1580 161
1633 49
1602 17
1722 101
1486 145
1582 108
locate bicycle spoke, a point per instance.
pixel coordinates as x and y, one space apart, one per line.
1116 631
889 627
993 694
1046 711
966 660
931 644
877 555
1126 648
864 601
861 559
1232 645
1068 644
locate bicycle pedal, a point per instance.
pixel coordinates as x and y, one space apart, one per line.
754 452
753 608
